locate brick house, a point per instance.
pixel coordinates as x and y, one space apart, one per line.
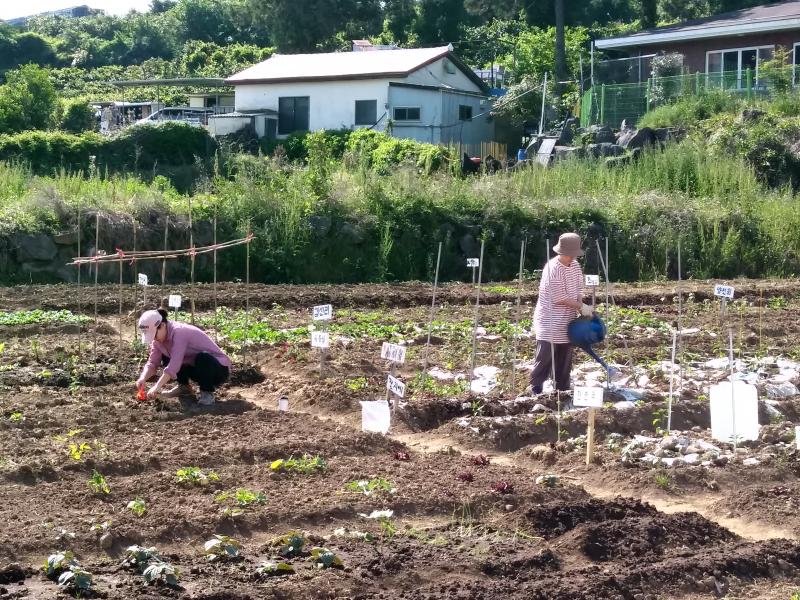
734 43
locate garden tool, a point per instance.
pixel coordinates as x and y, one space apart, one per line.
584 333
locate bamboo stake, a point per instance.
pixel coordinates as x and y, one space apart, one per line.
515 339
247 297
79 294
191 256
135 282
733 400
96 269
120 309
216 325
671 382
164 262
432 313
475 321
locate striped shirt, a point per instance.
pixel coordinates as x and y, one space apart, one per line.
550 320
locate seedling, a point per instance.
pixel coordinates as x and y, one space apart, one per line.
401 455
503 487
58 563
98 484
221 547
194 476
76 451
16 417
663 480
466 476
356 384
325 559
140 557
291 544
541 420
272 569
76 581
242 497
476 406
368 487
163 572
479 460
306 465
137 507
388 528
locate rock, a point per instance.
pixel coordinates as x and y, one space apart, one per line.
624 125
541 408
67 238
751 462
781 390
561 152
566 137
605 149
602 134
691 459
106 541
669 443
538 452
751 114
37 247
637 138
548 480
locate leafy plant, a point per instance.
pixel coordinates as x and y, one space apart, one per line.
98 484
356 384
663 480
16 417
503 487
194 476
306 465
163 572
291 544
140 556
476 407
480 460
77 450
401 455
325 559
242 497
77 581
368 487
272 569
221 547
777 302
137 507
40 317
59 562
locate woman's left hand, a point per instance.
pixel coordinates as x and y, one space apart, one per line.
152 393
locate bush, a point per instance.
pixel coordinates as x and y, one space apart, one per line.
77 116
688 111
27 100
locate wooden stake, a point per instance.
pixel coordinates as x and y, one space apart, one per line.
733 400
671 382
192 257
515 338
80 293
120 309
136 284
216 317
590 437
164 262
475 321
432 313
247 297
96 269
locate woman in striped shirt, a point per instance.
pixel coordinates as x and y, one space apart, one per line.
560 301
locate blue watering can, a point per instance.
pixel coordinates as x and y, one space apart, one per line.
585 333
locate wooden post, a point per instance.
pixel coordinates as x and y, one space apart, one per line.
79 293
475 321
216 324
96 269
515 338
164 262
432 313
191 257
247 296
590 437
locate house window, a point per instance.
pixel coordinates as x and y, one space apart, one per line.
292 114
464 112
728 68
407 113
366 112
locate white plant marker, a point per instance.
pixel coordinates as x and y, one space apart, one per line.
143 280
396 354
322 313
396 387
591 397
473 263
734 412
283 404
592 281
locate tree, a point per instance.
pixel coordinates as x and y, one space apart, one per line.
77 116
400 15
440 21
161 6
561 53
27 100
33 48
649 16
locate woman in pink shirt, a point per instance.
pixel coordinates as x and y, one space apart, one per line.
185 352
560 301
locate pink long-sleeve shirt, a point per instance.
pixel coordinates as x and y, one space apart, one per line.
184 342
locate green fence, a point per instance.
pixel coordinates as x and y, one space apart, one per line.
611 104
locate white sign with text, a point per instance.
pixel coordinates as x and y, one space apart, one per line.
723 291
323 312
588 396
174 301
320 339
142 279
395 386
592 280
473 262
393 352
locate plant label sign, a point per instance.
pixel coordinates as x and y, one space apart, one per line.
320 339
474 262
143 279
393 352
588 396
174 301
592 280
323 312
396 387
723 291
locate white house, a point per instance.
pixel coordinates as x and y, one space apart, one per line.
426 94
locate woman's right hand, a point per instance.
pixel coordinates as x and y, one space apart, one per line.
140 383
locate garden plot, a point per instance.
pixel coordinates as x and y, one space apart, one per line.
243 501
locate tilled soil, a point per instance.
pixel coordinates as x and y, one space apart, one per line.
459 529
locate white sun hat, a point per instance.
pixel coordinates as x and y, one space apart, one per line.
148 324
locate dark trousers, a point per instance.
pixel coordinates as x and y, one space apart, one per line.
206 371
542 370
